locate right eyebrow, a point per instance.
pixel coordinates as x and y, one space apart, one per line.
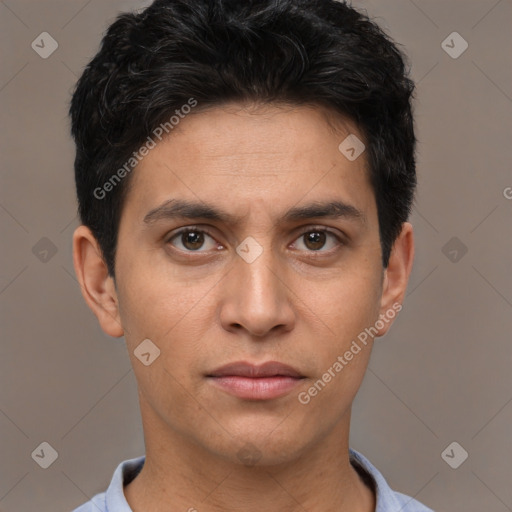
177 208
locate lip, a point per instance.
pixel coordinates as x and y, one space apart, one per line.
256 382
245 369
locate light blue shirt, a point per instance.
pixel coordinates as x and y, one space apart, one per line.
113 499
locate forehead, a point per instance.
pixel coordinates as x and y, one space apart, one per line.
242 157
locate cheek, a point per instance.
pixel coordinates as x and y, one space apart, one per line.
346 307
174 314
153 303
348 302
341 354
170 315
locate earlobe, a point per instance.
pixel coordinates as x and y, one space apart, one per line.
97 286
396 277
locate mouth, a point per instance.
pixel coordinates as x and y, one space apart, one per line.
256 382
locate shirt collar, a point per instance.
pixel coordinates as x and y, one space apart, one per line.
385 497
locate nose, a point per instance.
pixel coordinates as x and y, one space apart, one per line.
256 297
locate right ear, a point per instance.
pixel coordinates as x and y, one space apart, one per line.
98 288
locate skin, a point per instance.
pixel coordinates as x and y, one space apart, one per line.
298 303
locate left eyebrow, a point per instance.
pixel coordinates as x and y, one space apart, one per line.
332 210
176 208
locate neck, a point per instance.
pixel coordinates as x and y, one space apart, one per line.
180 473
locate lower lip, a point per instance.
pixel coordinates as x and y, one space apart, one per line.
261 388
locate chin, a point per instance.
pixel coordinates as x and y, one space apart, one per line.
268 448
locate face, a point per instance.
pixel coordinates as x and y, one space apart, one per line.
275 257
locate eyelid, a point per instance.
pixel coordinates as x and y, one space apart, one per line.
321 228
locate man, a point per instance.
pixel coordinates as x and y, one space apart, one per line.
245 172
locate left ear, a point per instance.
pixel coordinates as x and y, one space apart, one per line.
396 277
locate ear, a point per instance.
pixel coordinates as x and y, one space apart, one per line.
396 277
98 288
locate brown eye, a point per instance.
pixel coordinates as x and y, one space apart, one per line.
317 240
314 240
190 240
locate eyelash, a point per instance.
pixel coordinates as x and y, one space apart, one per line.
313 229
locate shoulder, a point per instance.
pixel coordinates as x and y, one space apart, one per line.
113 500
409 504
387 500
97 504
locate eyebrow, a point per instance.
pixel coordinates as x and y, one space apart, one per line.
178 208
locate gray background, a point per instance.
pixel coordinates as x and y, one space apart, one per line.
441 375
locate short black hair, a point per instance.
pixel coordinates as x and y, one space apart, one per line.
209 52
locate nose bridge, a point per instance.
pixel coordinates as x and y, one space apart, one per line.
258 268
258 300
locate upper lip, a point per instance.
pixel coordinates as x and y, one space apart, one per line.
245 369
